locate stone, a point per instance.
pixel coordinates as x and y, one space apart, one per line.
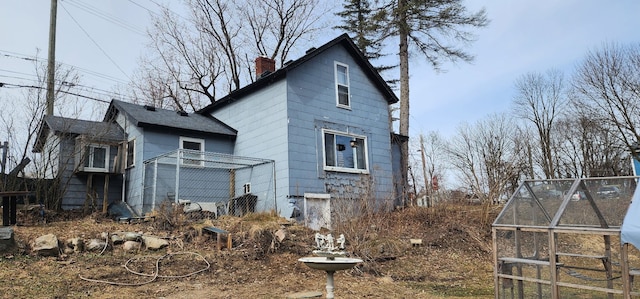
6 238
96 245
131 246
154 243
46 245
76 244
129 236
280 235
116 239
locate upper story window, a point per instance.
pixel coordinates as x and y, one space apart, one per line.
193 146
342 85
131 153
96 157
345 152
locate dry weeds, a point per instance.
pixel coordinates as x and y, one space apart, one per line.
453 262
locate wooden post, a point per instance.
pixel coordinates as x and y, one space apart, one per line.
89 196
232 192
607 264
553 267
229 242
624 262
105 201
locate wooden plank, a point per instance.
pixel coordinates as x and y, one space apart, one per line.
105 193
591 288
219 232
524 261
580 255
523 278
215 230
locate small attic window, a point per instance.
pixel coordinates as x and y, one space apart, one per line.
150 108
182 113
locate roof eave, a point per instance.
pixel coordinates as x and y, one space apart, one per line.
279 74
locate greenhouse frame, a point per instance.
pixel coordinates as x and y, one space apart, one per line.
565 238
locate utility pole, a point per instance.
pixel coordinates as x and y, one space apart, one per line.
51 62
424 173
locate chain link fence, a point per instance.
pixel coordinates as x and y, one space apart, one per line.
207 185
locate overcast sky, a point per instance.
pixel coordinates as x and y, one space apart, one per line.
524 36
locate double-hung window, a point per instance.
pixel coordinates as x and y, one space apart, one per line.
96 157
131 153
342 85
345 152
192 150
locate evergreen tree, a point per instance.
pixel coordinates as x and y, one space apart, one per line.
366 25
435 28
357 19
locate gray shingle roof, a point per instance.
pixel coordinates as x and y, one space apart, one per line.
61 125
163 118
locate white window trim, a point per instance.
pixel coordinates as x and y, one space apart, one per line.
202 150
89 154
335 74
345 169
127 154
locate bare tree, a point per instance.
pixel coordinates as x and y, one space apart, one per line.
433 157
200 57
540 99
23 124
487 157
608 82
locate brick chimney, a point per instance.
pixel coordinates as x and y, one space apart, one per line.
264 64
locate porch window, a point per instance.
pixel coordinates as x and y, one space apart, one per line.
342 85
192 145
96 157
345 152
131 153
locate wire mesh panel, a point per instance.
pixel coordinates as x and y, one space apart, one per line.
561 239
209 184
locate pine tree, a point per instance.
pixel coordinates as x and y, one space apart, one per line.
366 25
434 28
356 17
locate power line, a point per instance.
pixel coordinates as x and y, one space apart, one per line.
167 8
95 43
105 16
11 85
88 71
143 7
86 88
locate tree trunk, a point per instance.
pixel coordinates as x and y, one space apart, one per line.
404 89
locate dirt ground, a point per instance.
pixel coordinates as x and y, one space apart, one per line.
454 260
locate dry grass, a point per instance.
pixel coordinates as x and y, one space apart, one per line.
453 262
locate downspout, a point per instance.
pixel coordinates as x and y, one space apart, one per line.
275 192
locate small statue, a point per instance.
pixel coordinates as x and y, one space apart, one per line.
329 242
341 241
319 240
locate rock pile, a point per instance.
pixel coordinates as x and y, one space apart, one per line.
49 245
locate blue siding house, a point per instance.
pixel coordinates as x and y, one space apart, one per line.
82 160
323 118
152 132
